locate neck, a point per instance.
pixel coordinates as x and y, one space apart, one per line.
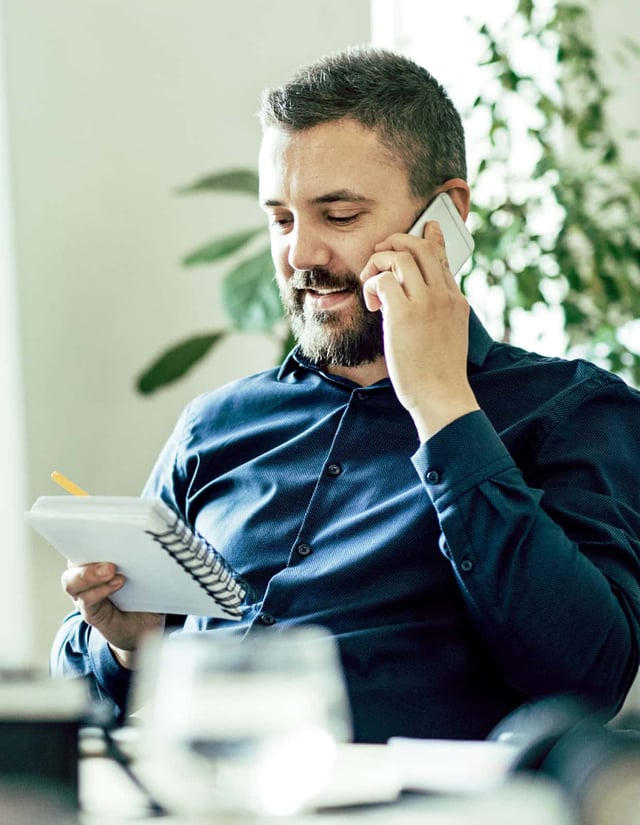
364 374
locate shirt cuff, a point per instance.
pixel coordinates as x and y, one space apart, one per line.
460 456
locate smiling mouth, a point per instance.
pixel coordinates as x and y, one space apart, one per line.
335 291
324 299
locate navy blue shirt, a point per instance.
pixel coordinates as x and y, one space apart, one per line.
497 562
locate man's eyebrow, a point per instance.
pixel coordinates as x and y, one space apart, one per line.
341 195
347 195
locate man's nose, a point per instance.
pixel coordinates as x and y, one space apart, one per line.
307 249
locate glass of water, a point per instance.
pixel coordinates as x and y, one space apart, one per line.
241 726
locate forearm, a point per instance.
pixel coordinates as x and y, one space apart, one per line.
546 611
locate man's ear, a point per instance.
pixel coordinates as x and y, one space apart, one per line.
460 194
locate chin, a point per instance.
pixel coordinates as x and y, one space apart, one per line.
347 346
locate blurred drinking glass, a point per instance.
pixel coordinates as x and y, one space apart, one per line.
241 726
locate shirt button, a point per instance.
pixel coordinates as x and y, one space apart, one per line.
334 469
304 549
466 565
266 618
433 477
361 395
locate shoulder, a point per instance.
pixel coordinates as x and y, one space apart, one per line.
524 392
242 388
233 402
553 374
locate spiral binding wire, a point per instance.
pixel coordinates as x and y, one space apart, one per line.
209 569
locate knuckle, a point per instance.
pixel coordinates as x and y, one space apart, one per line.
404 257
385 280
67 581
381 260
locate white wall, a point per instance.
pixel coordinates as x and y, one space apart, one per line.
112 105
615 22
15 648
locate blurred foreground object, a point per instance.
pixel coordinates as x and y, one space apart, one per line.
249 726
39 723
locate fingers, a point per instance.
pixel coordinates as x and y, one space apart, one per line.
77 579
432 241
89 585
403 265
381 291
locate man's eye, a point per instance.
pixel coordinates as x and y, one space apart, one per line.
280 222
343 220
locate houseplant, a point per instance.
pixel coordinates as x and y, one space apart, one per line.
563 235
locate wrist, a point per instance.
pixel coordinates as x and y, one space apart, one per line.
436 415
125 658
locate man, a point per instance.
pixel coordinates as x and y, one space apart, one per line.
463 516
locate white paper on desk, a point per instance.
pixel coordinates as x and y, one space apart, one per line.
450 765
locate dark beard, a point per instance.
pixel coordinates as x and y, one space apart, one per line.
329 338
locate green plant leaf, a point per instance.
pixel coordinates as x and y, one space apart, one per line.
234 180
221 248
176 361
574 316
525 8
250 296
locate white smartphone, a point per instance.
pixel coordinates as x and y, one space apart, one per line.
457 238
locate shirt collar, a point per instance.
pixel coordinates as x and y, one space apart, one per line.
480 342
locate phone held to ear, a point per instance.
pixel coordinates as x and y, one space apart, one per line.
457 238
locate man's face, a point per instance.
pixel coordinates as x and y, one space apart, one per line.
331 193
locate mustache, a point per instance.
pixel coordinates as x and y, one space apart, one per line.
324 279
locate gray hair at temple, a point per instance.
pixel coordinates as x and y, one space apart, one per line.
411 112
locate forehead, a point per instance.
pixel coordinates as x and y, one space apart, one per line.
341 155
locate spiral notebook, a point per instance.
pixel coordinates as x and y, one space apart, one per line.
168 568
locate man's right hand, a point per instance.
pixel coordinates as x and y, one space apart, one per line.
90 586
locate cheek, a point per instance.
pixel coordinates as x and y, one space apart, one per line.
356 248
283 274
280 258
357 256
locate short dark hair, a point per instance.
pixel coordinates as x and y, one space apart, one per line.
411 112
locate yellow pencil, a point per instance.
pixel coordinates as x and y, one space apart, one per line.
67 484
